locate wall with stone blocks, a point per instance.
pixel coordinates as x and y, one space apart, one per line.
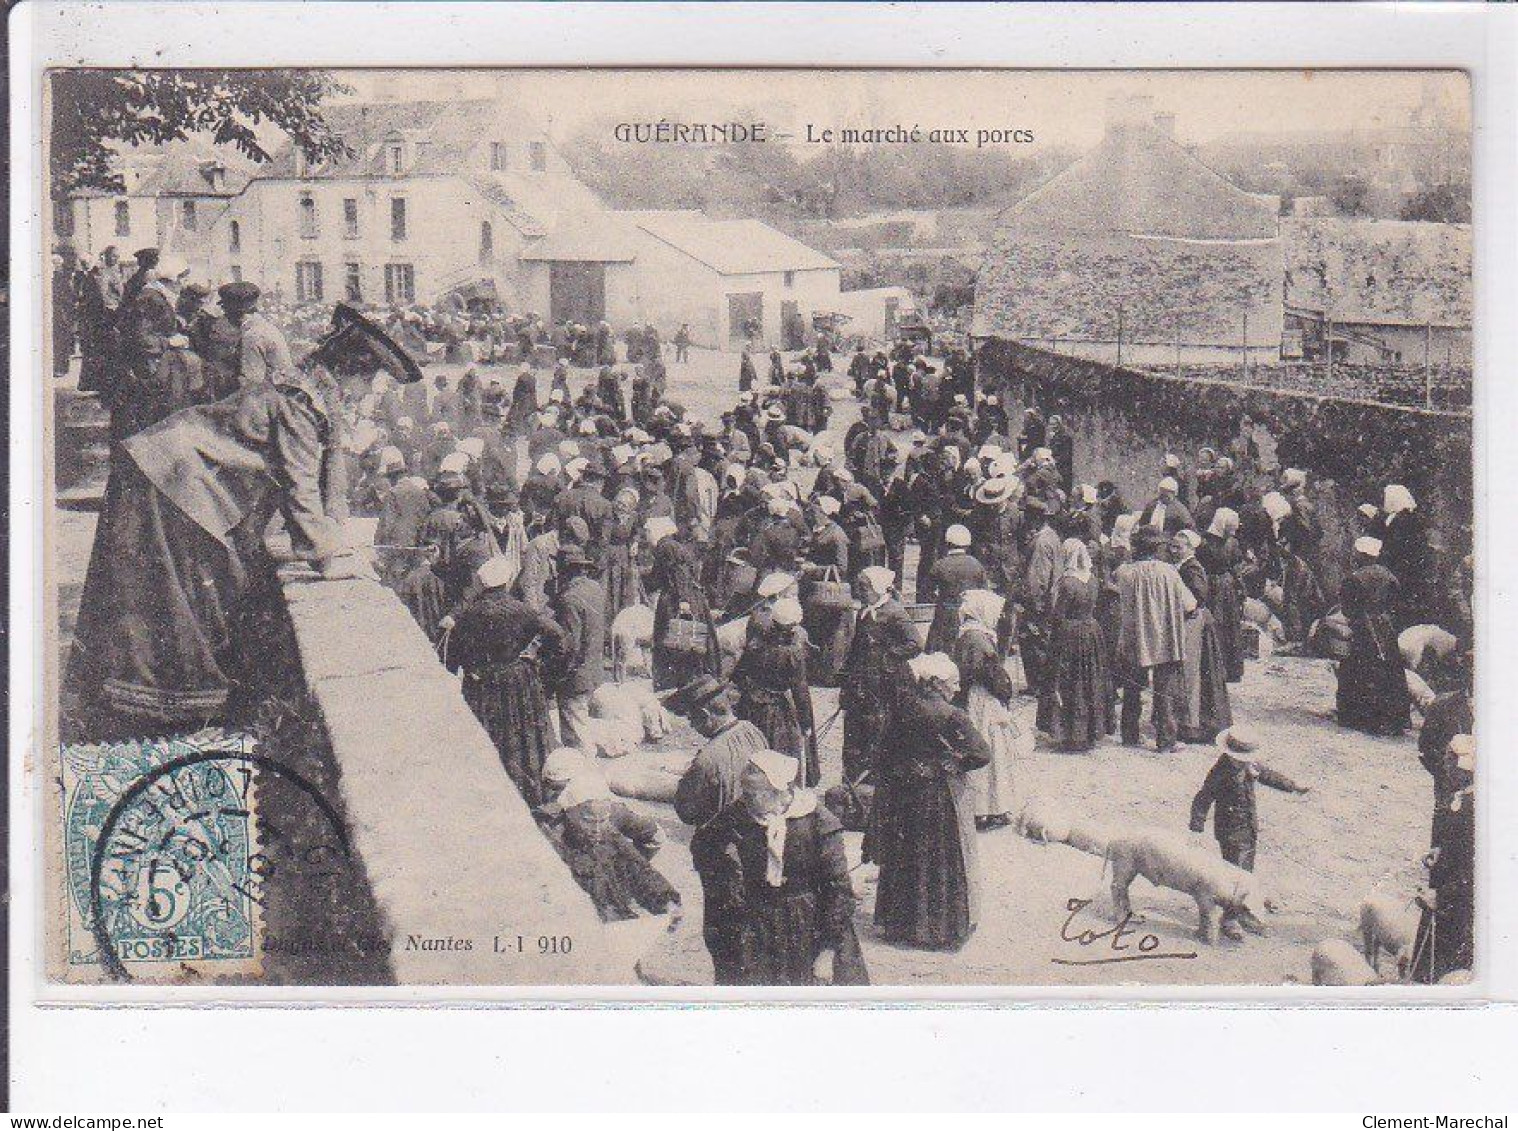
449 846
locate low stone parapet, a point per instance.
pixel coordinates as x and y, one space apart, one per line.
466 885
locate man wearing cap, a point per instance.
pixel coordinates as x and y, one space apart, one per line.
779 904
218 341
1228 791
579 608
1062 446
1166 512
1036 599
872 678
147 262
1372 690
711 783
263 354
584 499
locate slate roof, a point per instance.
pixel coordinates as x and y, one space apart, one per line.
1139 180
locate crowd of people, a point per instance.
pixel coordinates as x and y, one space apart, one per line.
772 555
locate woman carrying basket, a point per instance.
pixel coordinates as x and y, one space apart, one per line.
826 596
775 697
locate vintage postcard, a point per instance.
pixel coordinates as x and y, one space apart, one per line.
760 529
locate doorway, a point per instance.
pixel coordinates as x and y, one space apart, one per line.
577 292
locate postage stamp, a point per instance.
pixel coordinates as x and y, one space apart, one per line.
163 867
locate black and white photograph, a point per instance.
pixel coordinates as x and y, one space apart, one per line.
760 528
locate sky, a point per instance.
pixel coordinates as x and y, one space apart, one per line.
1064 108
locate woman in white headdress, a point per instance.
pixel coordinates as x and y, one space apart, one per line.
607 846
1220 557
493 644
985 691
1405 551
1206 708
922 828
779 905
1073 698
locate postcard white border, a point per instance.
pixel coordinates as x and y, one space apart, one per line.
1478 38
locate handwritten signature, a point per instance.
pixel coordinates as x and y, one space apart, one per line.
1148 945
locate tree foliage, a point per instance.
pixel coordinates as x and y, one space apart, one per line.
92 109
829 183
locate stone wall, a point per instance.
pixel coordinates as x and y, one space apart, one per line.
1125 421
448 847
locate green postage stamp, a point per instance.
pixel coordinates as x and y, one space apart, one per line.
162 867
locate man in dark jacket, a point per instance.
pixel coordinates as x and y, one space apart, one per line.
580 611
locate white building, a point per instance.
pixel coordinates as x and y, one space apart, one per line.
434 197
171 198
674 268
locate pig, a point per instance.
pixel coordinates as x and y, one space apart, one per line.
1337 963
1043 820
610 738
1172 860
1417 642
632 702
1086 838
1387 924
632 642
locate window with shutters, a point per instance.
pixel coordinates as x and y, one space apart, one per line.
308 282
537 153
353 282
400 282
498 156
350 218
307 216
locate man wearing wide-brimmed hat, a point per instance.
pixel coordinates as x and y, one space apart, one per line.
710 784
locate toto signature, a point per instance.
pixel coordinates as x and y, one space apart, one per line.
1116 939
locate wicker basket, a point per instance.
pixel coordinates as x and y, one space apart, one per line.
830 591
687 636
